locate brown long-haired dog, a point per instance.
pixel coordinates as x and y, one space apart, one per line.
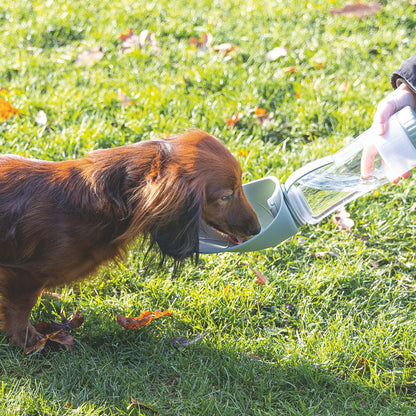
60 220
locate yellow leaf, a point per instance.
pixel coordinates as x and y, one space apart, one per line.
7 110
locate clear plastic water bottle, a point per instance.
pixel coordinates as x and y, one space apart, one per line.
323 186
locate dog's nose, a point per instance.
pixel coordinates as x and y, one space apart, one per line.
256 230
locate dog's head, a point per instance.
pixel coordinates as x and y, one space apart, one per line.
206 184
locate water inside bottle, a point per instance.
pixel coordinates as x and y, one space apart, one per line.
326 192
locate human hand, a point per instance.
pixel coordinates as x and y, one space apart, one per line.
395 101
401 97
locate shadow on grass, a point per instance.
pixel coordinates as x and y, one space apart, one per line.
110 366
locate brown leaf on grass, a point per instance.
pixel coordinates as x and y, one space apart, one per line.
261 115
90 56
361 365
234 119
59 337
131 41
144 319
204 43
260 112
124 99
125 36
185 342
342 220
343 87
7 110
357 9
290 69
224 48
253 356
320 65
261 278
74 321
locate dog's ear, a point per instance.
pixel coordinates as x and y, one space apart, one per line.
178 236
114 185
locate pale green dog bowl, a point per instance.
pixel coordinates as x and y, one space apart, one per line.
277 224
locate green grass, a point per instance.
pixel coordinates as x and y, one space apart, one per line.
331 336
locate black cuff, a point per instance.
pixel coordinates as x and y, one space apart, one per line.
406 73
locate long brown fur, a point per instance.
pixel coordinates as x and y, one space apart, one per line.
59 221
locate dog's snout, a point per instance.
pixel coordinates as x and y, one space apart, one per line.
255 230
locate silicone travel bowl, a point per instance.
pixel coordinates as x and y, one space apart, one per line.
267 199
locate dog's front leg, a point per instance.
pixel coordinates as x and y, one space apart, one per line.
19 292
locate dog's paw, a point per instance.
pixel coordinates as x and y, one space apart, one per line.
24 337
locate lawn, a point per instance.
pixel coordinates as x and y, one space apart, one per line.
333 331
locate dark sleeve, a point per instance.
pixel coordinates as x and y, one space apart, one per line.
406 73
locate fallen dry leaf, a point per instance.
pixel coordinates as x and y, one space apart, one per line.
144 319
290 69
234 119
148 38
90 56
342 220
185 342
7 110
131 41
225 48
261 278
361 365
261 115
357 9
74 321
204 43
343 87
59 337
276 53
124 99
125 36
260 112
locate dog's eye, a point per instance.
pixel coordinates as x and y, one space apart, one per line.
227 197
